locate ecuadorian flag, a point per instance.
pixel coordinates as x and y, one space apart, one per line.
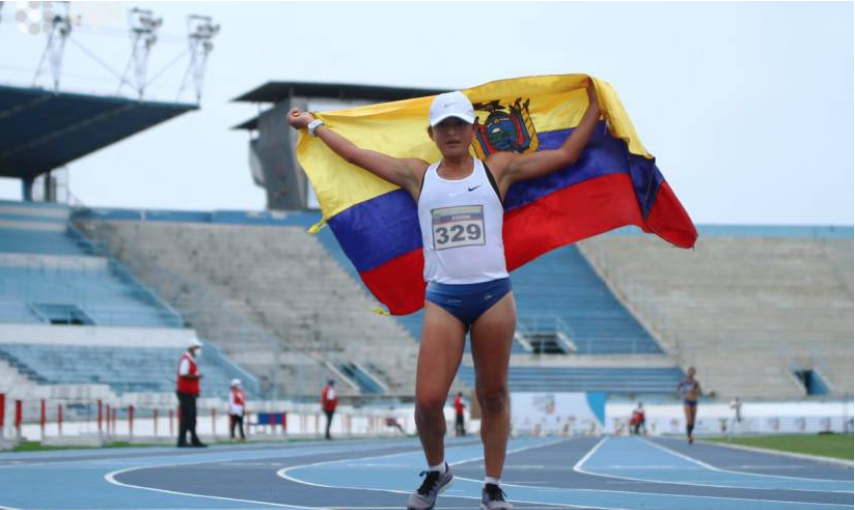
614 183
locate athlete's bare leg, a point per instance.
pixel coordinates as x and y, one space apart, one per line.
492 338
440 352
690 412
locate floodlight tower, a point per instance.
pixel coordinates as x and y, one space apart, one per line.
201 30
144 26
58 28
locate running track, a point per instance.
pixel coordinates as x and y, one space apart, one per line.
540 474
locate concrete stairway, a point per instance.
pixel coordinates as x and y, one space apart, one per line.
745 311
271 297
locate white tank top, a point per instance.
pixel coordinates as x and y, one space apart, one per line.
461 224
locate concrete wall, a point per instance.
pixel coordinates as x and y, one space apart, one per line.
275 151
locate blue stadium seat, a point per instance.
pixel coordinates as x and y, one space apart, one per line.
108 296
571 379
123 369
562 284
103 297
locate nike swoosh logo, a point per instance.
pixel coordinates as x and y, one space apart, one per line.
473 188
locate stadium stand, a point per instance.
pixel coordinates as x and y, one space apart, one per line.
253 289
753 308
262 290
561 285
571 379
122 369
47 271
55 291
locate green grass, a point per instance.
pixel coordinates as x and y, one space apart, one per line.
36 446
825 445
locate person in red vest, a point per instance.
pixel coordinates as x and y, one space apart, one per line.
237 409
459 424
188 391
329 401
637 422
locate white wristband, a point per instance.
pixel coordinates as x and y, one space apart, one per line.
315 124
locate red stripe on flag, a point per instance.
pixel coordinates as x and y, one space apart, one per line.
669 220
588 209
399 284
564 217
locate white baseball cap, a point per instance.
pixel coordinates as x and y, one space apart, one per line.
451 104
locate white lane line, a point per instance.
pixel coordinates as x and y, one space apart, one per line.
656 495
793 455
283 473
584 459
110 477
96 457
746 473
516 450
579 469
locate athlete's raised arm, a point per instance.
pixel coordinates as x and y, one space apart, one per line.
405 172
510 167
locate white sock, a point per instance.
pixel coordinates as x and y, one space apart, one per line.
439 467
490 479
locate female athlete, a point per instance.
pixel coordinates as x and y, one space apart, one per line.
690 390
459 200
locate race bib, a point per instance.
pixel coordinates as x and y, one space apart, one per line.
458 226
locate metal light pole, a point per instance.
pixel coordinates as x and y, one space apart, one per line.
201 30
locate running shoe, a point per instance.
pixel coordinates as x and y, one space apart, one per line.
424 498
493 498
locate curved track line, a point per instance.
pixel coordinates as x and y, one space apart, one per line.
660 495
110 477
579 469
746 473
283 473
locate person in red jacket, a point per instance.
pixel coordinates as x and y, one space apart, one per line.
637 422
459 424
237 409
329 401
188 391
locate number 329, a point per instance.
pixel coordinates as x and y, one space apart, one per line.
458 233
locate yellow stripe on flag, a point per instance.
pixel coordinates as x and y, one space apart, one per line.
399 129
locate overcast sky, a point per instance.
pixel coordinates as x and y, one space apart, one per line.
748 107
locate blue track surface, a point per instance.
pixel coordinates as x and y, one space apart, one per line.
540 473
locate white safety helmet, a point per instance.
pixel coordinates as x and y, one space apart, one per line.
235 382
194 342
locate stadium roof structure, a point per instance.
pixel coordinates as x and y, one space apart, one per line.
43 129
277 91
